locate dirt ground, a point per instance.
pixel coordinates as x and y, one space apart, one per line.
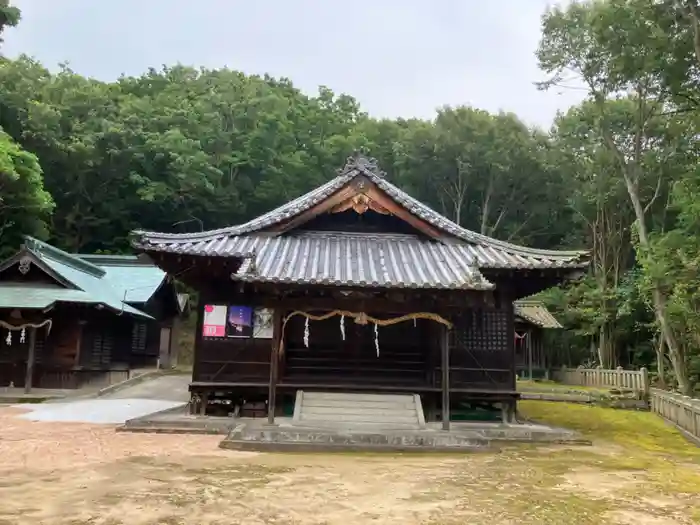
78 474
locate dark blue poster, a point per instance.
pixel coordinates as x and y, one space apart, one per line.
239 321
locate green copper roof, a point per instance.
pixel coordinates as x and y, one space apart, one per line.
110 281
19 295
135 279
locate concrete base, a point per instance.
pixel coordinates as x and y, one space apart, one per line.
37 395
463 437
286 435
178 421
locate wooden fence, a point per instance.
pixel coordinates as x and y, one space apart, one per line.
637 380
680 410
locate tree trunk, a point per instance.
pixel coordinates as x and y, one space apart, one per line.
604 347
630 172
661 373
680 369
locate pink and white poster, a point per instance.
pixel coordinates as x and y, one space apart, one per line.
214 320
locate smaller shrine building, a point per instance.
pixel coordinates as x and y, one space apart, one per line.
75 320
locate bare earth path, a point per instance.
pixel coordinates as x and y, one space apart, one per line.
80 474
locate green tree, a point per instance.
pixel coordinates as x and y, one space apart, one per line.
616 48
604 216
9 16
25 206
490 173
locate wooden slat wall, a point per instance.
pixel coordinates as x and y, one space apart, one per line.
482 354
403 351
233 360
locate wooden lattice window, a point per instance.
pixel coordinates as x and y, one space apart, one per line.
102 346
39 348
481 330
139 336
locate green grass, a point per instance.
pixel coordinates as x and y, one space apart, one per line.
552 386
643 440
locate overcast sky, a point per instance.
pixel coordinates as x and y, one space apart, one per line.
397 57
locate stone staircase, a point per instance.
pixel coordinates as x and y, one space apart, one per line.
365 411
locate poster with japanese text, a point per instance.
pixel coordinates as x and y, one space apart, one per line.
214 324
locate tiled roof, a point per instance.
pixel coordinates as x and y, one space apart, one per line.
536 313
87 281
484 252
383 260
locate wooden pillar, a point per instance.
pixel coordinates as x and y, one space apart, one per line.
203 403
28 378
445 365
528 345
274 365
79 343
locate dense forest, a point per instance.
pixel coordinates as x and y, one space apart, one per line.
83 162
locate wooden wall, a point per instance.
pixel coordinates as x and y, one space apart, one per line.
80 338
404 351
482 349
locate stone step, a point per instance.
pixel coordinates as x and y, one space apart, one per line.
359 418
364 405
355 426
382 398
353 410
386 412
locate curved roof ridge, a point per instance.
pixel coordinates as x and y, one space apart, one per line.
289 209
436 219
359 165
44 249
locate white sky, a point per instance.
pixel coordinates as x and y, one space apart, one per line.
396 57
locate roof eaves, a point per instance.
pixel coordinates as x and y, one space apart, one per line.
125 308
428 214
355 166
41 263
545 320
286 211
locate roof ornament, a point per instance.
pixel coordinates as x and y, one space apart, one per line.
361 162
24 265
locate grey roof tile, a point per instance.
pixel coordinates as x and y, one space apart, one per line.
339 258
536 312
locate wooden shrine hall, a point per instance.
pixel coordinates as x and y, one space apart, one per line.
355 288
82 320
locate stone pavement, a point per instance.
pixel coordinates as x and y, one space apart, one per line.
168 387
106 411
153 395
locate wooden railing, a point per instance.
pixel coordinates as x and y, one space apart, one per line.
680 410
637 380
